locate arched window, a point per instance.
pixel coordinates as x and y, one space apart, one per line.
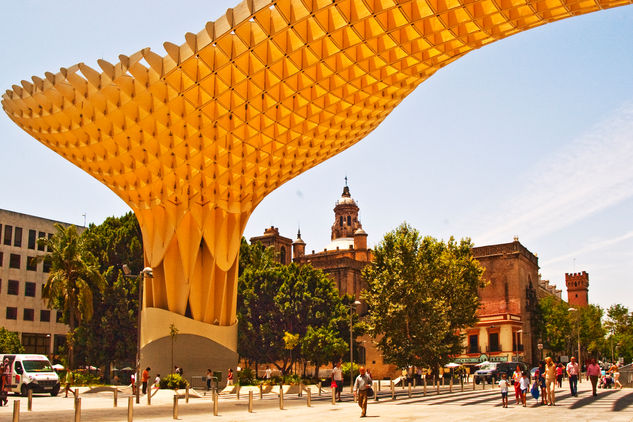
349 220
340 221
282 255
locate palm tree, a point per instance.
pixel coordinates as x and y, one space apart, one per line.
73 276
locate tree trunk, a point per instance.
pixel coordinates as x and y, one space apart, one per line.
316 369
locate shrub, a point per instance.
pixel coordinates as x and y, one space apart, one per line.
85 378
173 381
246 377
345 369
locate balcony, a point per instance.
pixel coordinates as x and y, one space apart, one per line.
473 349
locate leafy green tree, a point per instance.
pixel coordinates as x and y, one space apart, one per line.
322 344
73 277
111 336
274 299
592 332
10 342
555 325
421 294
619 325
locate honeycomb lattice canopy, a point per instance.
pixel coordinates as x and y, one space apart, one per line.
195 139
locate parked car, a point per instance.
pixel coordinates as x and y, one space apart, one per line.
493 370
24 372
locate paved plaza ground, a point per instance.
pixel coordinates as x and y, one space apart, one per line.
480 405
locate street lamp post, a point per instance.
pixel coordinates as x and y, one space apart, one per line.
145 272
352 307
578 331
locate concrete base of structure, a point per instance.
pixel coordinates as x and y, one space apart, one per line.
197 346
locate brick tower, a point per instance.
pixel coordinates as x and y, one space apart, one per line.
577 288
346 220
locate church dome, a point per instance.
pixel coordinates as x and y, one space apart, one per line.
341 243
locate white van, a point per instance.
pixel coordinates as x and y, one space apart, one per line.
22 372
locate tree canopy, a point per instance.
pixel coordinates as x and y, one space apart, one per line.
10 342
421 293
286 312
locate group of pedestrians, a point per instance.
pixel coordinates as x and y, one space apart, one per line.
546 378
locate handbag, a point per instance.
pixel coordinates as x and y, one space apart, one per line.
370 392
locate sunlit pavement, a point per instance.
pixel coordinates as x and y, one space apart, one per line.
479 405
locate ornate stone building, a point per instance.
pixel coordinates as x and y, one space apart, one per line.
506 330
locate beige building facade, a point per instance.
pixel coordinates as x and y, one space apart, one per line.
22 276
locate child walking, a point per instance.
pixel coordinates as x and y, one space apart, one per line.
503 385
525 386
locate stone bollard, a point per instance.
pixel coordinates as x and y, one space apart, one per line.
409 390
149 396
309 400
187 394
76 392
175 409
215 403
29 403
300 390
237 391
320 386
77 409
115 397
261 392
281 397
130 408
393 391
16 410
333 395
379 385
250 401
461 382
376 390
450 385
483 383
424 391
415 382
438 386
474 383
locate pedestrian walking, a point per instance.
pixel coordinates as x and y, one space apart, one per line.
229 377
337 378
516 382
503 385
68 382
536 386
559 374
615 373
541 382
550 381
573 373
157 382
145 379
593 374
209 378
525 386
362 386
268 375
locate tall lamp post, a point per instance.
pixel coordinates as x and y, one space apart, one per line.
352 307
578 331
145 272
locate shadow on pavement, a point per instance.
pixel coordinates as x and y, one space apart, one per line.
590 399
623 402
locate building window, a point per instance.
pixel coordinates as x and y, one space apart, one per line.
41 235
14 261
282 255
29 289
31 263
13 287
1 258
47 264
8 234
12 313
17 238
29 314
349 220
493 342
473 344
32 239
45 315
36 343
340 221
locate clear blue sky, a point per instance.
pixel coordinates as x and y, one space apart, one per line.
531 136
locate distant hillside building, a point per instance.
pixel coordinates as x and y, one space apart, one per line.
22 308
